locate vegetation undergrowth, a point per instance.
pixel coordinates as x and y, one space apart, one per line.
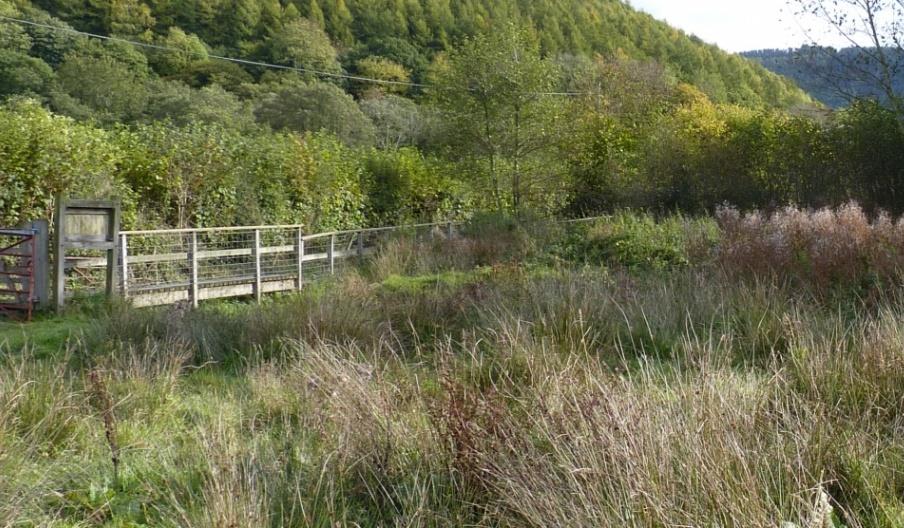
529 382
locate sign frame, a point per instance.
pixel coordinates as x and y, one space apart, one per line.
110 211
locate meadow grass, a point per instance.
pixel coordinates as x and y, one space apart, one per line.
513 384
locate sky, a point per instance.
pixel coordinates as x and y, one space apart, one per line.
735 25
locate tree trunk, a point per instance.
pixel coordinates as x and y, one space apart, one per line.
516 159
494 179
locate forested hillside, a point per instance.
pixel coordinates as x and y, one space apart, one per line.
834 77
408 32
341 113
723 346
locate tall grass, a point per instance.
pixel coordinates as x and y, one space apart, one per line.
529 395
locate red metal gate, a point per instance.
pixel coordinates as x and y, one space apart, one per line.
18 255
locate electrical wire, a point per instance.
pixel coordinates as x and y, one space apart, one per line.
246 62
260 64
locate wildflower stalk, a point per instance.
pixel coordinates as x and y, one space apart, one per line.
104 403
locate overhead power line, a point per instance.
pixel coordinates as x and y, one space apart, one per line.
246 62
260 64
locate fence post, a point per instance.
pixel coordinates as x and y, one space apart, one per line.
59 257
41 229
256 252
113 252
124 260
193 258
450 230
331 254
299 255
360 244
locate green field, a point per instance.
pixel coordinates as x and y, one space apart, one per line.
631 372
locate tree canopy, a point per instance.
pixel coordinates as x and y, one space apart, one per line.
567 107
334 35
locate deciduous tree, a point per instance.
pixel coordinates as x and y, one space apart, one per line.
114 90
303 44
875 28
314 106
386 70
21 74
182 51
493 94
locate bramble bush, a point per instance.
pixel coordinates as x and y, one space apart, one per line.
42 154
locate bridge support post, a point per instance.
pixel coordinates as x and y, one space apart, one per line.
193 260
331 254
299 258
256 253
124 264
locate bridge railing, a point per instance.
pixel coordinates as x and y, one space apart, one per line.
189 265
169 266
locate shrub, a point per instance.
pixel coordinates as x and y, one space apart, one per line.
405 187
825 248
42 155
638 241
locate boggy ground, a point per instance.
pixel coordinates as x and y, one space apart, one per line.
630 373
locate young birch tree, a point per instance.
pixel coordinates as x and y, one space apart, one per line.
493 93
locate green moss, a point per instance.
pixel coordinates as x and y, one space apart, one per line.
45 336
413 285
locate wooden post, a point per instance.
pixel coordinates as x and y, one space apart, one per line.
59 257
331 254
450 230
193 260
113 252
299 258
256 253
360 244
124 259
41 229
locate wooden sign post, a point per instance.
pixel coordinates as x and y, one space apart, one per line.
85 224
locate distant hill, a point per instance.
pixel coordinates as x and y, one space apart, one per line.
411 32
830 76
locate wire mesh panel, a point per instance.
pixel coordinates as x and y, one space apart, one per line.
346 251
162 267
167 266
373 239
155 262
224 258
279 254
317 257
